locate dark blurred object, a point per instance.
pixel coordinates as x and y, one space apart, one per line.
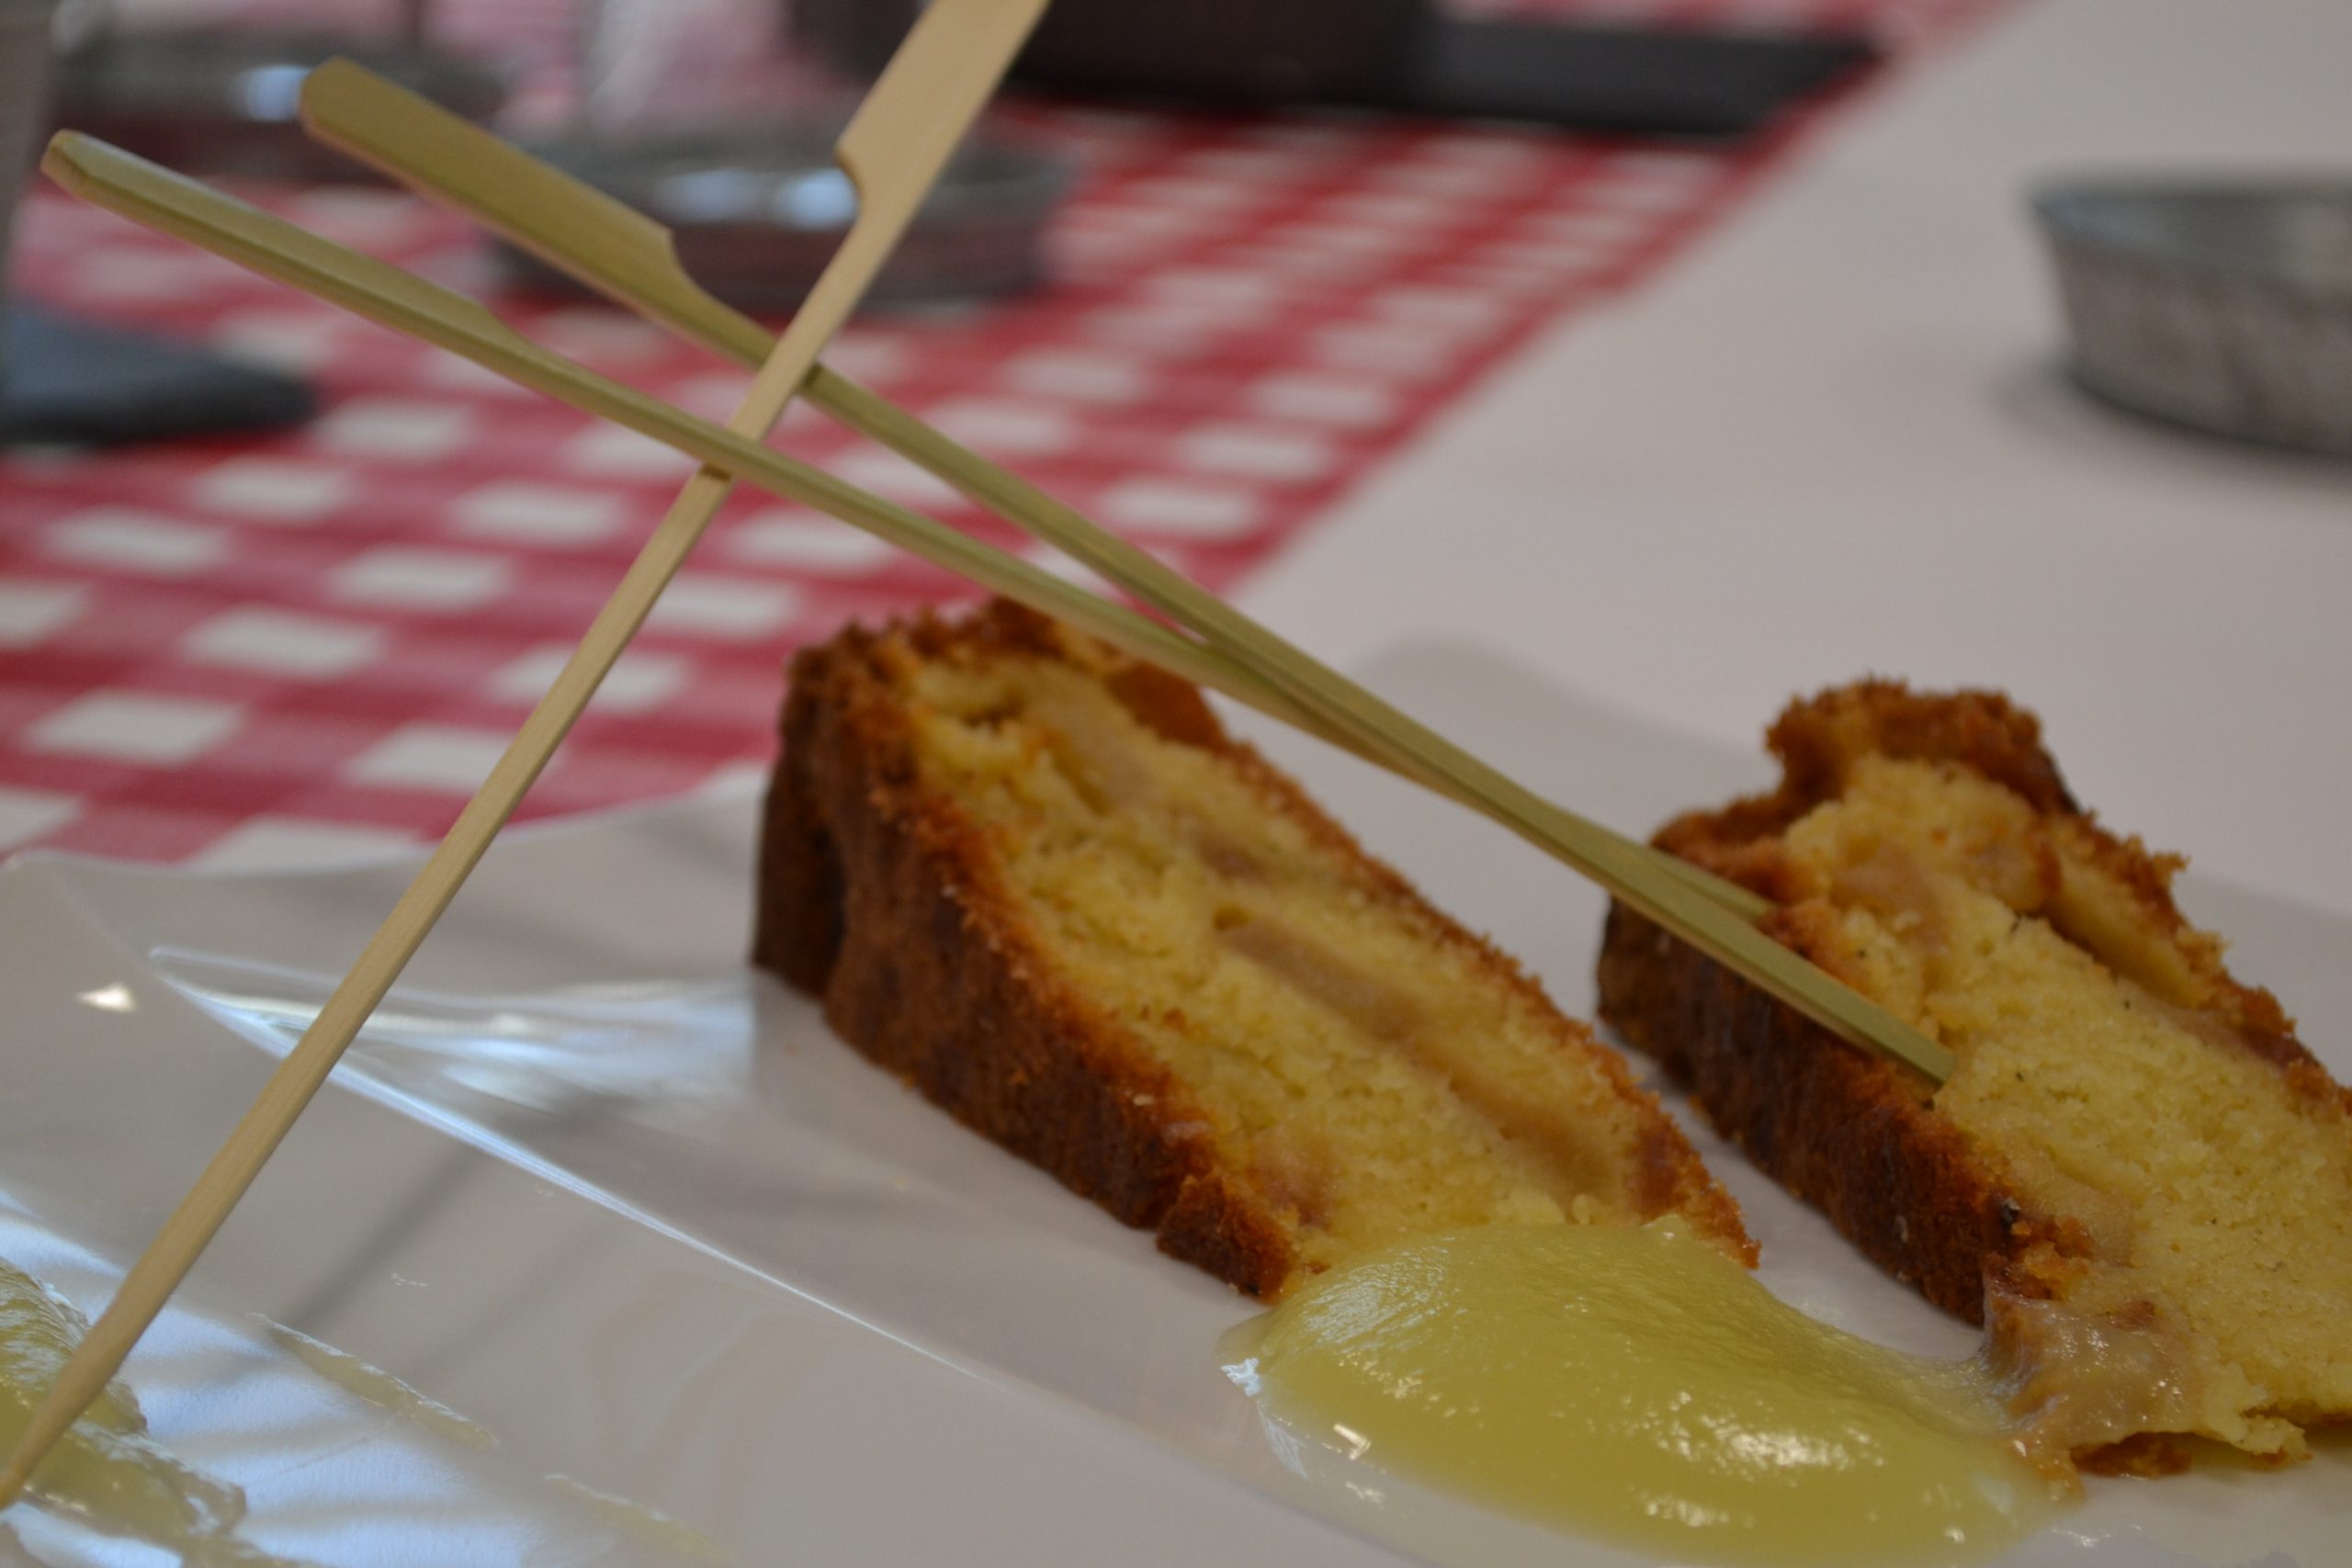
759 209
24 68
1246 52
2223 305
62 383
219 101
1632 81
1404 55
76 384
72 384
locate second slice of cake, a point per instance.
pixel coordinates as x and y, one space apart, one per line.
1040 881
2136 1174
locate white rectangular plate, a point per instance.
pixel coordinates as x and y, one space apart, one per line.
629 1206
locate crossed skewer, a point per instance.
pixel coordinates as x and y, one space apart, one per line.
892 150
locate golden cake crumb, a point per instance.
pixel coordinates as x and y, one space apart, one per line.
1038 880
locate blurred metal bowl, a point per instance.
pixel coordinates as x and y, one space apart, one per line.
2223 305
222 101
758 211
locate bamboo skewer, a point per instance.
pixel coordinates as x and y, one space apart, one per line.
386 294
892 150
620 252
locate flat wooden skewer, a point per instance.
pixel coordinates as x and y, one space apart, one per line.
629 257
384 293
892 150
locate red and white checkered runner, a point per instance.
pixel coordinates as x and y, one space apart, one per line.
313 642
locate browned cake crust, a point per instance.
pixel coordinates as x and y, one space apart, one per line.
879 898
1850 1133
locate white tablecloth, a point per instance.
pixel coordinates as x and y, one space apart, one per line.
1838 441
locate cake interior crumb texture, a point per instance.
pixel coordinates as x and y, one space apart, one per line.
2183 1164
1279 1016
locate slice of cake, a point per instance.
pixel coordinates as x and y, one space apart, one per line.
1038 881
2136 1172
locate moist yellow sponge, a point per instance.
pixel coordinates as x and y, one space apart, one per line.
1041 882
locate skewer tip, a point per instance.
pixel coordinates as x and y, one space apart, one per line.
14 1475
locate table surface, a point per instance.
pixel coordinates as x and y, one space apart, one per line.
1811 426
